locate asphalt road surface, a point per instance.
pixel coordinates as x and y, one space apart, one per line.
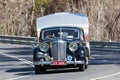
16 64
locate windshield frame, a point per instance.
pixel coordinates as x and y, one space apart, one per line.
62 29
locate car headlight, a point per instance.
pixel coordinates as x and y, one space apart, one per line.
44 47
82 53
73 46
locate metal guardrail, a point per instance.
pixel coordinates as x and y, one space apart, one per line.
105 46
95 45
17 40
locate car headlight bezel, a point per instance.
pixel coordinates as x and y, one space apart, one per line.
73 46
43 47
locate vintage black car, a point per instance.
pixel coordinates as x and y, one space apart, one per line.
61 47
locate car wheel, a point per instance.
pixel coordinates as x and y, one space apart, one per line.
86 66
87 62
81 67
39 69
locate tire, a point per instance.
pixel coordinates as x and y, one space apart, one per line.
86 66
82 67
87 62
39 69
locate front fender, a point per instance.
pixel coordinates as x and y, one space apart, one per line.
35 50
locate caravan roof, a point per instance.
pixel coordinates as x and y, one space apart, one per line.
62 19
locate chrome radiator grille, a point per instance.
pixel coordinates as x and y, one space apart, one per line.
58 50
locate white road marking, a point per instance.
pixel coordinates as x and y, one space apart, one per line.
17 78
20 59
107 76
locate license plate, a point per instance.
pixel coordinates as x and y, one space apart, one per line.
58 62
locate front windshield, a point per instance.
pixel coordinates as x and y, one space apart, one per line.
61 33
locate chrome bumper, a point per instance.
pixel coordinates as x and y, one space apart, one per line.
42 63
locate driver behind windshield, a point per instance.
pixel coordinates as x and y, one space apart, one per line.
48 35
